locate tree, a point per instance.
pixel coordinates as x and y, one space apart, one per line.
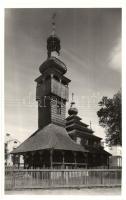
110 117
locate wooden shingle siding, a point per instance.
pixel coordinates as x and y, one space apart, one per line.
43 89
59 89
55 117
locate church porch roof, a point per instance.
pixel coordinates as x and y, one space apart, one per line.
50 137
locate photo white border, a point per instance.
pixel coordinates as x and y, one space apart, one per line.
63 4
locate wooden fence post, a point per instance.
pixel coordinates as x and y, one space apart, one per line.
61 178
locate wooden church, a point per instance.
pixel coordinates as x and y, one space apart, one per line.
59 142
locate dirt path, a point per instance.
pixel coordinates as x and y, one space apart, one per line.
85 191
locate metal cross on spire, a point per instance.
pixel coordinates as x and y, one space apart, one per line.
72 102
53 23
72 96
90 125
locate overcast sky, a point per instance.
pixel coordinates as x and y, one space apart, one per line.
90 47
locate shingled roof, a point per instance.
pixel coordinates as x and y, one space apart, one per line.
51 136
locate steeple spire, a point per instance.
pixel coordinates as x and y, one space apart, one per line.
53 24
90 125
72 102
53 42
72 96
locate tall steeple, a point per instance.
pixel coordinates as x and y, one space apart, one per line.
52 86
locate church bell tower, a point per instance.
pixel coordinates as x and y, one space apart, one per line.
52 90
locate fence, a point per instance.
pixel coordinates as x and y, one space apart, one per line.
63 178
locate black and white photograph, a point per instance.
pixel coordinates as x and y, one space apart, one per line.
63 101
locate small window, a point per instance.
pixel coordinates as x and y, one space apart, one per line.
58 108
95 143
86 142
78 140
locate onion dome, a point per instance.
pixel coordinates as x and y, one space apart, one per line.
53 45
53 50
73 110
53 63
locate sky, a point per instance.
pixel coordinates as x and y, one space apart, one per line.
90 48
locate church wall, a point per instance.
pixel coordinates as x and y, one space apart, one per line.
58 118
44 116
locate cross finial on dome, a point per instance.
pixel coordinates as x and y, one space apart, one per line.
90 125
53 23
72 102
72 96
